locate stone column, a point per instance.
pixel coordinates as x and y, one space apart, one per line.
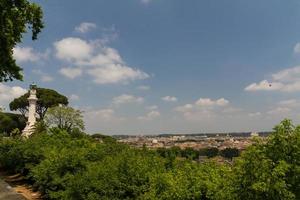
32 99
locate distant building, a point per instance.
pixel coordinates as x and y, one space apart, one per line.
254 134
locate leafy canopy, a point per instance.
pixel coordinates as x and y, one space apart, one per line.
65 118
271 169
15 17
47 98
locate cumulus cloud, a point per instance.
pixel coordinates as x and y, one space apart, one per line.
70 73
264 85
209 102
203 108
126 98
85 27
73 49
150 115
104 64
8 93
115 73
185 108
27 54
287 80
169 99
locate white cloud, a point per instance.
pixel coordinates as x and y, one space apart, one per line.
74 97
73 49
144 87
287 80
204 108
185 108
288 75
27 54
206 102
169 99
150 115
126 98
116 73
85 27
297 48
8 93
264 85
104 64
70 73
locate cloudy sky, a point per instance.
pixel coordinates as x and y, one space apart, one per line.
168 66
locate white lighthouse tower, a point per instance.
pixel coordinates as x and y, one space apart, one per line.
32 99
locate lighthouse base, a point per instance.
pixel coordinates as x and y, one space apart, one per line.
28 130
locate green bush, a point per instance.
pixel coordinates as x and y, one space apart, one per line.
10 121
270 170
66 166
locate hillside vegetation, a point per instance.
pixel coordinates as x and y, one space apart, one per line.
68 165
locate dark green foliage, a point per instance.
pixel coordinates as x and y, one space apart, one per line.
16 16
230 153
210 152
11 121
47 98
189 153
104 138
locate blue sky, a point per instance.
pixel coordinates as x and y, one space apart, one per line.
168 66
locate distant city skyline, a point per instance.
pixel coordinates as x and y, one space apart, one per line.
168 66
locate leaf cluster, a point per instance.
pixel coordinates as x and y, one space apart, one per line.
16 17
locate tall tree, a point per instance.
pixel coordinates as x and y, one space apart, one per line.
65 118
47 98
270 169
16 16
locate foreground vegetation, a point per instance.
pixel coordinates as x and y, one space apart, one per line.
71 165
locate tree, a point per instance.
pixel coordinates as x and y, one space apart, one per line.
47 98
210 152
230 153
65 118
270 169
15 17
10 121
